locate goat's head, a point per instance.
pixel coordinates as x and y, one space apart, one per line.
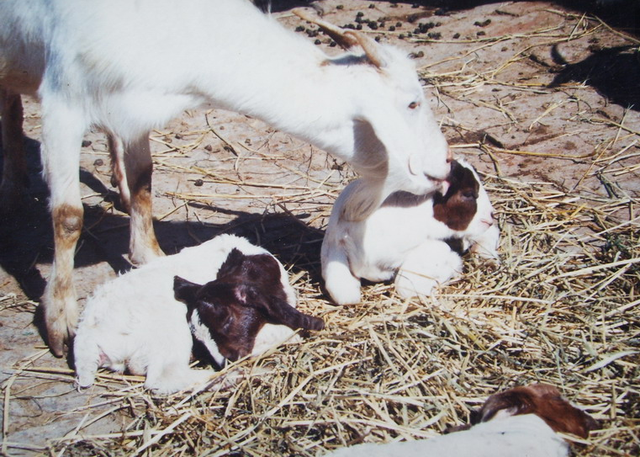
465 207
398 145
246 295
542 400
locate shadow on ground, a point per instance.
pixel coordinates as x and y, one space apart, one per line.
26 238
613 72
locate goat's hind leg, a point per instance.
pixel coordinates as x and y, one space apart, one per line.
14 171
143 245
169 372
118 171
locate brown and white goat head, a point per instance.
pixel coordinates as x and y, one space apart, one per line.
461 204
246 295
543 400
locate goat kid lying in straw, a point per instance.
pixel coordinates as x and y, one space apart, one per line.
520 422
141 320
417 239
366 106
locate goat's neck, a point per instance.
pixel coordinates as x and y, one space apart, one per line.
436 229
303 103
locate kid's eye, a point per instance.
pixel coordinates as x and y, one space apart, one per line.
413 105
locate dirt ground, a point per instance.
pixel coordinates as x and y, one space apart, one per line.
531 93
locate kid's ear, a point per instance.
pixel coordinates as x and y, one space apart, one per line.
362 201
185 291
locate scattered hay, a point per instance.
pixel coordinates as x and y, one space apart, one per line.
561 307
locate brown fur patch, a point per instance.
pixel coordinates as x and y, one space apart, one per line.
67 227
458 206
544 401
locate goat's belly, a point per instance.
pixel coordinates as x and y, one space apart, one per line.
134 112
18 79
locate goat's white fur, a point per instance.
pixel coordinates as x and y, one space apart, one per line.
526 435
101 64
402 233
434 263
135 322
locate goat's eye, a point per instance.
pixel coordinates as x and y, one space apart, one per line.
413 105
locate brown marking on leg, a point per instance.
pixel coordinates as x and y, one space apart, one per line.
60 306
144 245
14 172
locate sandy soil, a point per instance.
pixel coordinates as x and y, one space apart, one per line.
525 90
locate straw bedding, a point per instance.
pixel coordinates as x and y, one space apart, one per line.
561 307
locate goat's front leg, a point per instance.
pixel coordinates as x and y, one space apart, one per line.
14 171
62 129
342 285
143 245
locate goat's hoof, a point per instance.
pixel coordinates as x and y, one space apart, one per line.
146 256
57 345
59 339
345 295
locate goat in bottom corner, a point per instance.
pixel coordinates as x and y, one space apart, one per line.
523 421
137 321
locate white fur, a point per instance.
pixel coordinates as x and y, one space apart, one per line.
430 264
402 233
103 63
514 436
135 322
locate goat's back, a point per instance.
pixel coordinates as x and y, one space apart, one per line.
526 435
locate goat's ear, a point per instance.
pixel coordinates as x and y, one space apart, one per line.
231 265
511 403
279 312
185 291
337 34
363 200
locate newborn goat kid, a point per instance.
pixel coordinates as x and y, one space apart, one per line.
135 321
523 421
408 232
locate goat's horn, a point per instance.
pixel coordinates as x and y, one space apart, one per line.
343 39
370 47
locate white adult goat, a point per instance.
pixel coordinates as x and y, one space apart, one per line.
100 64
